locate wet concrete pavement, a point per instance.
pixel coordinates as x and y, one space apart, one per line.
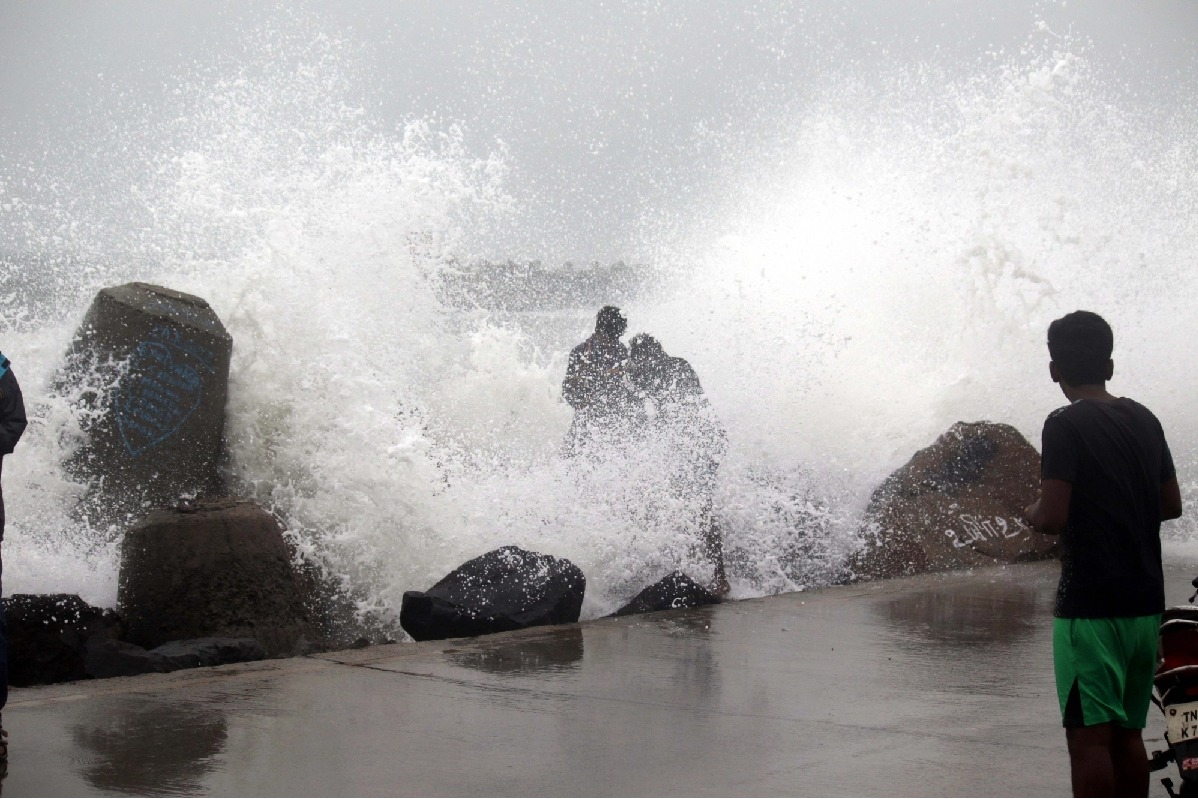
929 686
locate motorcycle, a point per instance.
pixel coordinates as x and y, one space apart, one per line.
1175 692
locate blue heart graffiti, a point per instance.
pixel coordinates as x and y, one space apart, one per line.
156 397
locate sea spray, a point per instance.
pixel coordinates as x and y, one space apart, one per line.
890 266
883 269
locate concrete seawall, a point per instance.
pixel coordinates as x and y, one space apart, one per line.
931 686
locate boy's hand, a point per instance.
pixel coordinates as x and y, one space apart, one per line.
1030 511
1050 512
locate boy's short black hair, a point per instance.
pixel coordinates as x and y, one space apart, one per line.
1080 344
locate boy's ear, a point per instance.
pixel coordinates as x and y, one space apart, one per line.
1053 373
1110 369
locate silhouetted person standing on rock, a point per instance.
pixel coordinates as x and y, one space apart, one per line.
675 406
12 425
595 380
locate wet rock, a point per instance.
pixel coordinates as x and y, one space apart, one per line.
214 568
505 589
213 651
110 658
956 504
671 592
48 636
150 366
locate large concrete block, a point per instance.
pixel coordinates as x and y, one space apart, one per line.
156 366
218 568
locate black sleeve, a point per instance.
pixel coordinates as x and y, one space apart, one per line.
1168 470
12 413
1059 451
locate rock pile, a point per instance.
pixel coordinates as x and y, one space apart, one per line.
48 636
55 638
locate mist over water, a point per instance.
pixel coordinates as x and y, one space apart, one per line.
879 260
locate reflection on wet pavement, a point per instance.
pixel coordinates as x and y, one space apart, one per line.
561 652
148 746
987 613
938 685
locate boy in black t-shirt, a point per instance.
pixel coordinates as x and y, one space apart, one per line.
1107 482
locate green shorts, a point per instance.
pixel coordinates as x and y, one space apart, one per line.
1104 669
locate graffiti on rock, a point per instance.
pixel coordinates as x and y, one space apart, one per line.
162 388
979 528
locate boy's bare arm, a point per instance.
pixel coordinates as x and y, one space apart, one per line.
1170 500
1050 512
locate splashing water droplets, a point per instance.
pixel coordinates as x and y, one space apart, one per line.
884 269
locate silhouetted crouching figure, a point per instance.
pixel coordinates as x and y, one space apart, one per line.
595 383
675 406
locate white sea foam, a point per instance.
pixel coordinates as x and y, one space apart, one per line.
885 269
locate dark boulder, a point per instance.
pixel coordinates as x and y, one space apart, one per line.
213 568
956 504
49 634
149 368
671 592
110 658
505 589
214 651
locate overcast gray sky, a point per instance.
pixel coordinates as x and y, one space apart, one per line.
598 102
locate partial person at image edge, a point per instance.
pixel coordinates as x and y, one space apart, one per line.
12 426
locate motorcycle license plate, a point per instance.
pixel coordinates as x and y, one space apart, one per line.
1181 722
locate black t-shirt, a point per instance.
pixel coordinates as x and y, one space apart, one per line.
1115 456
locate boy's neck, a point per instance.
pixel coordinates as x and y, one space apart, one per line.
1090 391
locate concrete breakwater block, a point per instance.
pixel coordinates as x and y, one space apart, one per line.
216 568
154 368
956 504
506 589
